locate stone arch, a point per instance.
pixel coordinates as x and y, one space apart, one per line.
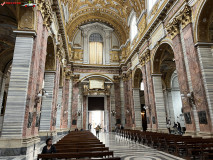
137 78
204 23
162 53
97 75
50 64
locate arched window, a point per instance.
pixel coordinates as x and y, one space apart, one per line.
151 3
133 28
96 48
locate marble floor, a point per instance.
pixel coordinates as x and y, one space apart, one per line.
129 150
123 148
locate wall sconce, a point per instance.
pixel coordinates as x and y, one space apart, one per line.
148 107
113 113
190 97
127 111
142 113
79 113
41 94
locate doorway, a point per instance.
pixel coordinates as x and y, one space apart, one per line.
96 113
96 118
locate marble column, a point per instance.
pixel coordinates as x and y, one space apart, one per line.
205 54
75 93
196 78
3 78
112 104
47 103
126 104
17 93
122 102
137 108
70 105
85 113
117 101
80 108
152 108
170 108
146 97
160 106
59 108
66 96
183 82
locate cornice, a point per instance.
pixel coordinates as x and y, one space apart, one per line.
62 29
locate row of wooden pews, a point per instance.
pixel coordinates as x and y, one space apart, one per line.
181 146
80 145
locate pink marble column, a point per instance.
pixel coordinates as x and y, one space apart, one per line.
85 113
152 106
75 93
117 100
109 112
196 76
65 103
36 76
146 96
182 78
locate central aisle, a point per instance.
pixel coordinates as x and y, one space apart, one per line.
129 150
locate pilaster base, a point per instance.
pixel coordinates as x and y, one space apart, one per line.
153 130
14 147
190 133
164 130
138 128
205 134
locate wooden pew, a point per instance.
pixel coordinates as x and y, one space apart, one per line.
77 155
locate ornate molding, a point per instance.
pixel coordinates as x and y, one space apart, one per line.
68 73
184 18
124 77
46 11
173 28
116 79
146 56
75 77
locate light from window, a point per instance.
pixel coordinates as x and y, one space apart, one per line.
96 49
151 3
133 28
142 86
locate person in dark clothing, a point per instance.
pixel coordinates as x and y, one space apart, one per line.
179 128
49 148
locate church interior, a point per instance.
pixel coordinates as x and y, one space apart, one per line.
106 79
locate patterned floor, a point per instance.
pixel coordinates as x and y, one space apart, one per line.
129 150
123 148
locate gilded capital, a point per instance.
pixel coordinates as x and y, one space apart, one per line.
46 11
68 73
185 16
173 28
75 78
116 79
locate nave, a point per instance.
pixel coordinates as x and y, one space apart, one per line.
123 148
129 150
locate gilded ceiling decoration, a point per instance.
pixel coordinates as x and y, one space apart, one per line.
115 13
